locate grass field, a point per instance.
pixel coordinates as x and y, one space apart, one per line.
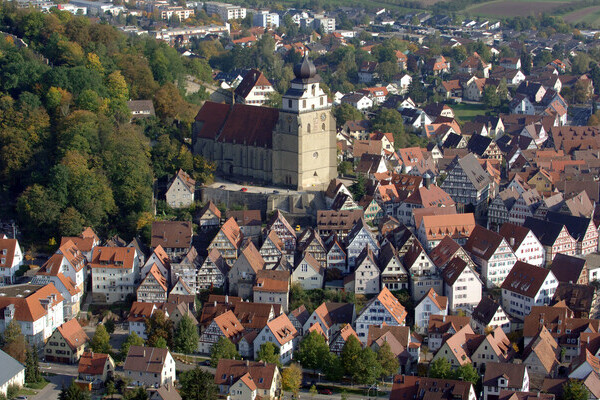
468 112
590 15
514 8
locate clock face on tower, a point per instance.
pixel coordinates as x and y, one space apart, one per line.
323 117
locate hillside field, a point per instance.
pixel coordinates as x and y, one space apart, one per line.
513 8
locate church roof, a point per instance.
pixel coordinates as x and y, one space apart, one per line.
239 123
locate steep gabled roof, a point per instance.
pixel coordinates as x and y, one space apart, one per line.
525 279
483 242
73 334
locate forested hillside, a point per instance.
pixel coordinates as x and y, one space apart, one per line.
69 156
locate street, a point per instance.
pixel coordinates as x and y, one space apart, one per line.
63 374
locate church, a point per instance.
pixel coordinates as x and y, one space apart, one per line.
294 146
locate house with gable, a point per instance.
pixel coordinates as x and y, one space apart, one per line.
393 274
553 236
153 288
336 344
310 241
366 278
254 89
50 273
527 286
160 259
210 217
468 183
66 344
139 312
442 327
501 376
422 388
186 270
489 314
266 378
224 325
359 237
492 254
85 242
149 366
282 333
462 285
524 243
336 255
95 367
284 230
72 263
456 348
446 250
541 355
423 274
384 308
308 272
272 249
434 228
175 237
404 344
331 317
570 269
495 347
431 304
180 192
582 229
213 272
272 287
242 275
228 241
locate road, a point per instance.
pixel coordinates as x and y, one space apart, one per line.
235 187
63 374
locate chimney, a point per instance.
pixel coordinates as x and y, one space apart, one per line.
247 363
427 180
512 241
226 299
215 303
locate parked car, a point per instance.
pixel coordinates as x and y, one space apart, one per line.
243 189
325 391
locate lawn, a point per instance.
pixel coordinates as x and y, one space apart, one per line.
37 385
513 8
467 112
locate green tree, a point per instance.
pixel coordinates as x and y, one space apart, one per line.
351 355
388 361
368 368
344 167
574 390
198 384
359 187
312 351
389 120
291 378
333 368
581 63
416 91
32 368
269 353
503 90
440 368
14 342
490 97
139 393
313 391
467 373
224 348
73 392
345 112
186 336
132 340
158 327
100 343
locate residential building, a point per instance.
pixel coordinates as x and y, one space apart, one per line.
360 237
385 307
282 333
331 317
242 275
492 254
456 349
338 222
526 286
421 388
149 366
430 304
13 373
266 19
504 377
366 278
266 377
308 272
153 288
139 312
582 229
553 236
225 11
434 228
570 269
462 285
66 344
393 274
180 193
50 273
213 271
175 237
186 271
337 341
442 327
210 217
272 287
468 183
284 230
424 275
115 273
541 355
11 258
38 309
249 221
224 325
272 249
524 243
404 345
95 367
489 314
255 89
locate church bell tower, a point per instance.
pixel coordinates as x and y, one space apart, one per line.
304 140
